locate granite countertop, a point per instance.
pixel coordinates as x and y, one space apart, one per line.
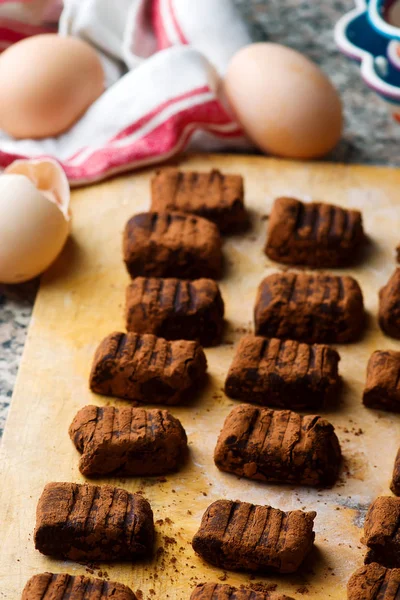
370 136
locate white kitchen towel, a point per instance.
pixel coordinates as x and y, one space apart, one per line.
163 61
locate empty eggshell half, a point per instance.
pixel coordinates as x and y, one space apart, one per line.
34 218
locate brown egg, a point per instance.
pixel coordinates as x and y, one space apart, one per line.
47 82
284 102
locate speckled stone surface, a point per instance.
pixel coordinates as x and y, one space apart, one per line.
370 136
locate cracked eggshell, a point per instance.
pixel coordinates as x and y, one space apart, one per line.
34 218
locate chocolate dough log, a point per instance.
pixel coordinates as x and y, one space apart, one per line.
309 307
382 532
314 234
278 446
93 523
218 591
146 368
285 374
389 306
374 582
395 484
176 309
128 441
212 195
242 536
48 586
166 244
382 389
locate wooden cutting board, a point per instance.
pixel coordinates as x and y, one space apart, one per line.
81 299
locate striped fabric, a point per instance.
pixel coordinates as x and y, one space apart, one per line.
162 59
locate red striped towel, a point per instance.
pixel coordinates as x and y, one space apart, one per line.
163 61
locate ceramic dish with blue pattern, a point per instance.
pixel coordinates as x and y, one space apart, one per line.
370 34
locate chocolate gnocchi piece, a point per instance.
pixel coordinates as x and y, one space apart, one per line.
278 446
128 441
93 523
285 374
172 244
395 484
309 307
176 309
212 195
382 388
49 586
382 532
389 306
242 536
146 368
314 234
218 591
374 582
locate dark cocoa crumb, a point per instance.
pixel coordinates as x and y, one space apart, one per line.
169 540
189 512
303 590
159 522
168 521
152 592
173 560
263 587
243 330
204 493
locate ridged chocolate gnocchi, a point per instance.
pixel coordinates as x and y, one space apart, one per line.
382 388
309 307
218 591
48 586
374 582
176 309
242 536
172 244
146 368
212 195
389 306
395 483
314 234
285 374
91 522
278 446
382 532
128 441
